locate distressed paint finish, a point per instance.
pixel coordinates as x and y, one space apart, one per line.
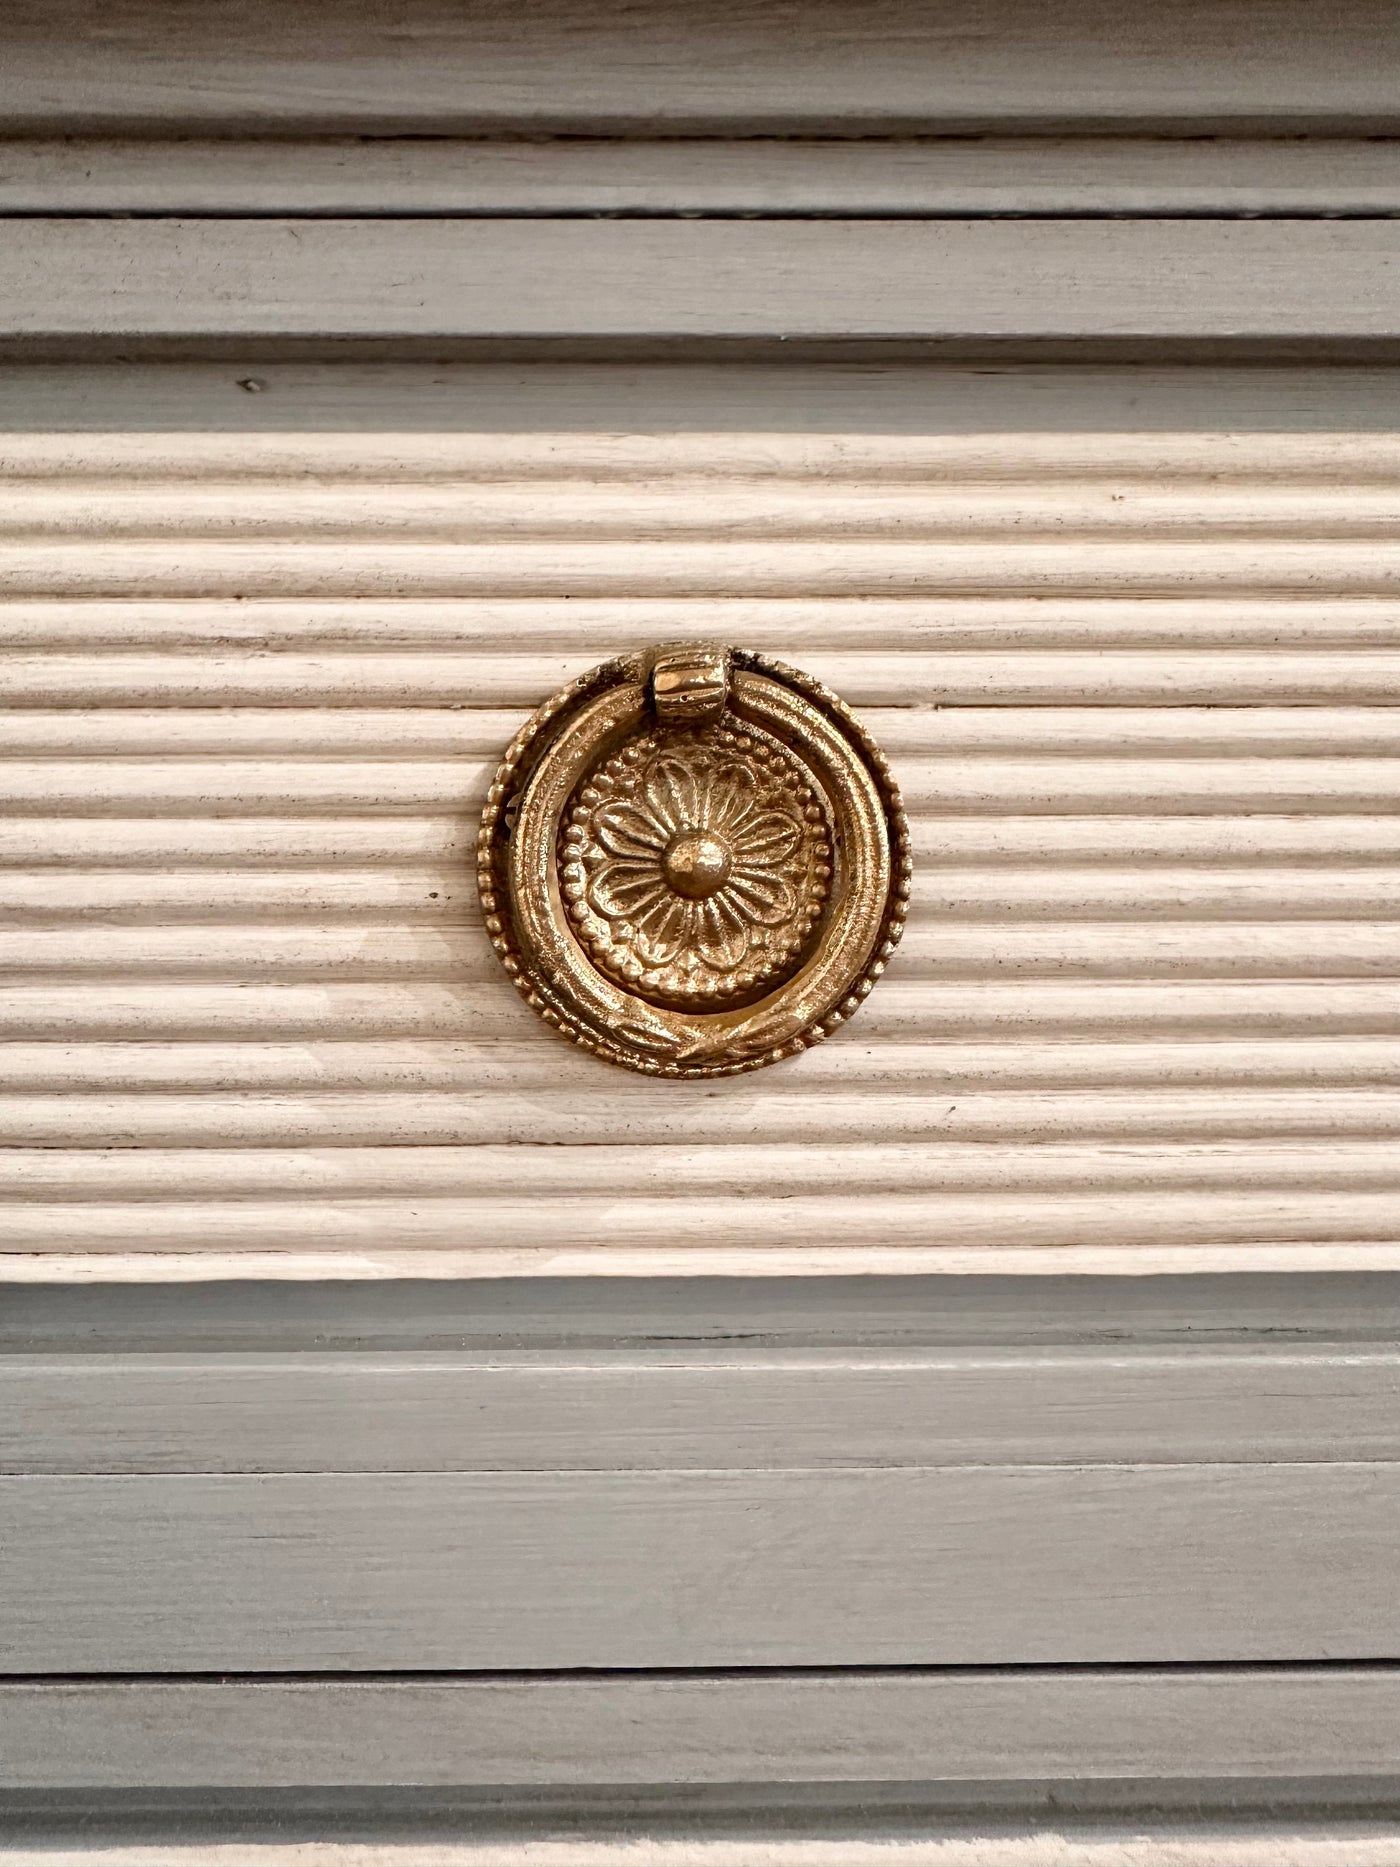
1127 637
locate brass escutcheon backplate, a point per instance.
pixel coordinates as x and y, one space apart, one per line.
694 861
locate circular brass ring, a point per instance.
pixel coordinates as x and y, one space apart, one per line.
694 862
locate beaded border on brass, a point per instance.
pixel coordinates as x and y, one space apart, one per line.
493 850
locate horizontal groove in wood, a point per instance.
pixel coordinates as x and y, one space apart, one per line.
931 785
337 176
695 510
363 566
290 843
662 1162
930 949
1192 1218
481 451
55 899
374 1133
1140 693
1129 677
846 1066
455 732
786 626
921 1011
856 1726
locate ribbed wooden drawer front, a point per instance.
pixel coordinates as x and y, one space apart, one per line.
1136 689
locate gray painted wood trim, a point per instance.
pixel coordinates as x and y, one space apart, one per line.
720 65
1322 1311
1270 1722
189 403
917 177
527 1571
192 282
693 1828
674 1408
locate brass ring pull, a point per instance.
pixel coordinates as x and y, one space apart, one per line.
694 861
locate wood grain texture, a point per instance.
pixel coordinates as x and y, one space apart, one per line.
781 176
714 1826
637 282
182 416
721 1407
526 1570
1138 683
1162 1841
931 1157
907 1011
320 1069
288 1267
721 65
1210 1126
349 1231
776 1313
1305 1839
1270 1722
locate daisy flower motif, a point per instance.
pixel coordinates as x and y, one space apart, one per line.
702 866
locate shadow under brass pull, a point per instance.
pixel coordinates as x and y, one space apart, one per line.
694 861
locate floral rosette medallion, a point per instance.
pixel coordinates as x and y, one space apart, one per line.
694 862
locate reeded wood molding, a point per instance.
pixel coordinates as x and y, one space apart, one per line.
1144 1017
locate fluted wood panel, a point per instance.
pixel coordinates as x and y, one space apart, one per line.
1139 692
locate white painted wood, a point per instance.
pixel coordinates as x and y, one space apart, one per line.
281 842
629 283
939 1153
579 175
1145 1015
432 732
961 786
1265 1723
291 1269
906 1011
714 66
791 625
333 897
345 679
817 1220
1035 434
709 570
1301 1840
699 505
943 949
946 1566
1161 1842
315 1071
